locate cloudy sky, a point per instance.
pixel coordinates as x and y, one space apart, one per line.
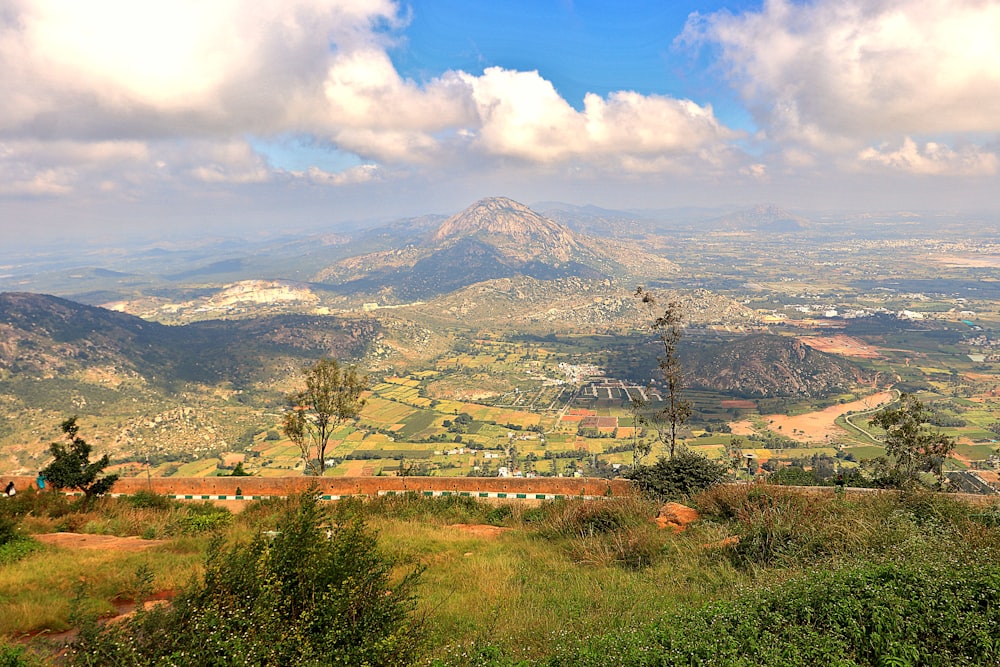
168 117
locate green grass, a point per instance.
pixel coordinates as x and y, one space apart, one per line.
567 583
863 452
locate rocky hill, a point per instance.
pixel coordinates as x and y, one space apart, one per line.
765 365
46 337
571 304
494 239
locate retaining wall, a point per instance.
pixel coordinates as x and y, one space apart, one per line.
332 488
224 488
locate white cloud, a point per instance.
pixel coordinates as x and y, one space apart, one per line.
932 159
219 71
174 67
756 170
362 173
232 162
522 115
57 168
836 75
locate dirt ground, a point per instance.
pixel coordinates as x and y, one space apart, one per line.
479 530
816 426
107 542
843 345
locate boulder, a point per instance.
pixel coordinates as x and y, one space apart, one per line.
676 516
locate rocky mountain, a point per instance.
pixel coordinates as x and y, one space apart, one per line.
513 228
495 238
766 365
47 337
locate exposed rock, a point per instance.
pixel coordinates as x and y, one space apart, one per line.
766 365
676 516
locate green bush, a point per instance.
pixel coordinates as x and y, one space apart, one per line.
15 550
48 503
678 478
8 530
149 500
317 592
888 614
201 523
15 656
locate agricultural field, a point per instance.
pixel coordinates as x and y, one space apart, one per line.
559 416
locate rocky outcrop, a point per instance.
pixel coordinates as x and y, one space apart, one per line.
675 516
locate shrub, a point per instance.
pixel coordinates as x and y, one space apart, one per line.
579 518
683 476
8 530
149 500
33 503
449 509
14 656
875 614
316 593
632 548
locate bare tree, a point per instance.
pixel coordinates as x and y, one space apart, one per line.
332 397
668 330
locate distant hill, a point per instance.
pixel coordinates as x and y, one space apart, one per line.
598 221
766 365
45 336
495 238
761 218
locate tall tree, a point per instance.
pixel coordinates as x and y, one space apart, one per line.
668 330
332 397
72 467
910 444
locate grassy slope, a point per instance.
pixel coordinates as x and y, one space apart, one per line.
576 583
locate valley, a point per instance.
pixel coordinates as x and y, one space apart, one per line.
504 338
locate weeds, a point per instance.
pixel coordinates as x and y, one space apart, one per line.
812 580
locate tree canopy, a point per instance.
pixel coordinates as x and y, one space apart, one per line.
72 467
911 446
332 396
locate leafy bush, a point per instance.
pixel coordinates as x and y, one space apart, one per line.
316 593
149 500
14 545
35 503
15 656
881 614
683 476
8 530
201 523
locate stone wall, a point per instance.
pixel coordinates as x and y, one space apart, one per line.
541 488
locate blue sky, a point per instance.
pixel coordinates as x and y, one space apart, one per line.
173 118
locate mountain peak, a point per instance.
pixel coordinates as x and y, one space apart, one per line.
506 220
